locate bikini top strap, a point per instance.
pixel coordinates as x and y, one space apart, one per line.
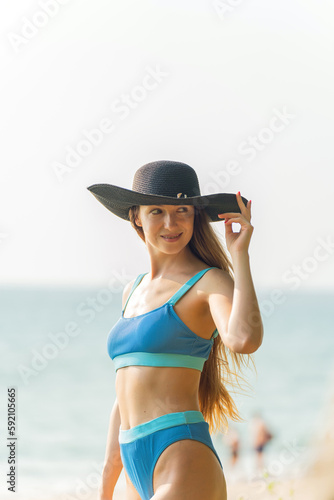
134 286
215 334
184 288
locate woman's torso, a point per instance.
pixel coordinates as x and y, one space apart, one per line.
147 392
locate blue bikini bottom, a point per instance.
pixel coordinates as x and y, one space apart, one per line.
142 445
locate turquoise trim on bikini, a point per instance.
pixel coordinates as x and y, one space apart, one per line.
158 359
141 340
159 423
215 334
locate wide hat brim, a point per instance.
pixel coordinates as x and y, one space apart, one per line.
118 200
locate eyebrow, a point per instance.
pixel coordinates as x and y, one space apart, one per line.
169 205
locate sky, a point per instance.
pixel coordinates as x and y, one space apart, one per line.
91 91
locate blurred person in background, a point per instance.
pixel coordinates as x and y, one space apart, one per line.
261 436
233 442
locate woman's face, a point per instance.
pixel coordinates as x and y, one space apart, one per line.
161 223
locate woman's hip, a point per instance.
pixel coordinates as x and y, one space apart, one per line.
142 445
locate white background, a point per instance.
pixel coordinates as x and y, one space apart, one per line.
225 75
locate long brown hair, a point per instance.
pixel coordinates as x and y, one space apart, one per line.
215 401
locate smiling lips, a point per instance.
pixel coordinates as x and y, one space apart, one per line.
171 237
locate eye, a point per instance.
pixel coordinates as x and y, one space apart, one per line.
180 209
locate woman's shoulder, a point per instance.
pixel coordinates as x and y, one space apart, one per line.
126 291
216 272
217 280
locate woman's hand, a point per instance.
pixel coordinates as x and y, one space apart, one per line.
238 242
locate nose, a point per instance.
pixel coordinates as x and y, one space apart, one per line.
170 221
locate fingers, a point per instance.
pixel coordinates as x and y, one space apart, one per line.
228 214
241 203
238 220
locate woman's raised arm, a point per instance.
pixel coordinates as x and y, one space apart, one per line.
235 309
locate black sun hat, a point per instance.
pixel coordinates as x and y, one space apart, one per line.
164 182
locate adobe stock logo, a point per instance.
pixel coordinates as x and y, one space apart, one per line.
250 148
257 143
122 107
31 27
224 7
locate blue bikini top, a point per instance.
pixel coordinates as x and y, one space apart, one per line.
158 337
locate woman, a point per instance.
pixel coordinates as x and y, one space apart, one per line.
169 345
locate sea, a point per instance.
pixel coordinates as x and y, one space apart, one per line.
57 388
